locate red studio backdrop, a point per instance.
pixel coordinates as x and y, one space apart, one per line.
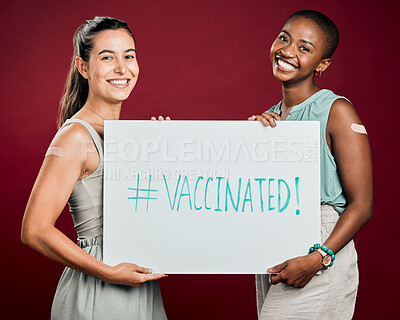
199 60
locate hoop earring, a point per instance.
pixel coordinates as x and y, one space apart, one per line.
318 73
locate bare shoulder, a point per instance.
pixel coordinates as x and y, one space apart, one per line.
342 116
73 141
71 136
342 109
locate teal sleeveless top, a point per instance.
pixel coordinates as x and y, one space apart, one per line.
317 108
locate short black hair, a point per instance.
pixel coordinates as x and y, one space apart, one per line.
326 25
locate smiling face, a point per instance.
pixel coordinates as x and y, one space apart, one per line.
112 69
297 53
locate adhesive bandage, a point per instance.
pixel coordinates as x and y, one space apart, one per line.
55 151
359 128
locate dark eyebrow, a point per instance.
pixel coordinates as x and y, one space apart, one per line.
305 41
302 40
110 51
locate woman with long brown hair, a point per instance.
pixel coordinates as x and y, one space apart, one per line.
104 70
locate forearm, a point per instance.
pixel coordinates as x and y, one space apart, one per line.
349 224
53 244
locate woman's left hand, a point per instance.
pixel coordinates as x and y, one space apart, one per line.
160 118
297 272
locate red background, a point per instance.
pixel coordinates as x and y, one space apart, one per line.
199 60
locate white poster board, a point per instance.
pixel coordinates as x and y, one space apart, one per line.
210 197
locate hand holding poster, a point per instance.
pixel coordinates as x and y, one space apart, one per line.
210 197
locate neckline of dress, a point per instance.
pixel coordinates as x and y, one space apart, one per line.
299 106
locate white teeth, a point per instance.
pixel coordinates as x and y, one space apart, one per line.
285 65
119 82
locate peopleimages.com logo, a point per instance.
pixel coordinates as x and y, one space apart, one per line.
206 150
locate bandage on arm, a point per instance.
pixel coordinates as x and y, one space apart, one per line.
359 128
55 151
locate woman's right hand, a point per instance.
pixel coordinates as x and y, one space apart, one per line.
266 118
131 274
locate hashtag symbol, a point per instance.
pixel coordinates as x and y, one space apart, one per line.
148 190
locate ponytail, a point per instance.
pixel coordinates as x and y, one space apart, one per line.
75 94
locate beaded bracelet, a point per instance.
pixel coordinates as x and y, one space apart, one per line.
327 255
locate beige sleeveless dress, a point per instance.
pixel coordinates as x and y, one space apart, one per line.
80 296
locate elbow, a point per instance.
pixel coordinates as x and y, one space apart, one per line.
29 236
365 210
26 236
34 235
368 214
362 211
